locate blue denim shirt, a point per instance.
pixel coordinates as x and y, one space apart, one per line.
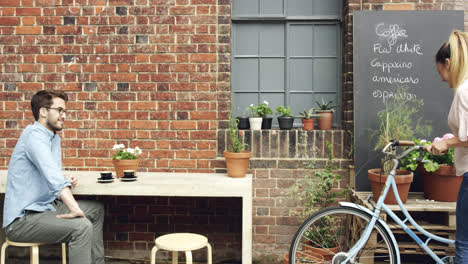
35 176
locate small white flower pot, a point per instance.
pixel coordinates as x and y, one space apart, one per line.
255 123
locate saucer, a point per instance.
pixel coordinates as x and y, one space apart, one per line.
105 180
128 179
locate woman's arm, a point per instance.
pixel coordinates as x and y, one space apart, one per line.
441 147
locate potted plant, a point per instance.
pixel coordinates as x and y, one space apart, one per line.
325 111
440 182
307 118
395 122
285 120
125 159
316 191
262 110
237 158
243 121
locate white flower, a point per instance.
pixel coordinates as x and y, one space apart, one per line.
118 146
137 151
265 102
130 150
251 104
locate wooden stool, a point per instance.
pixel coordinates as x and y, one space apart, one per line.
34 251
181 242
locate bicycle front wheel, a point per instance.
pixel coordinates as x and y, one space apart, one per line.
328 234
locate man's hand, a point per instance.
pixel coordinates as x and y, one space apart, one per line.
73 179
75 214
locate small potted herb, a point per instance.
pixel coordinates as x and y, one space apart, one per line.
325 110
285 120
237 158
260 119
308 119
243 121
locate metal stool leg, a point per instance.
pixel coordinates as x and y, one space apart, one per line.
188 257
64 253
175 257
153 255
208 249
4 246
34 255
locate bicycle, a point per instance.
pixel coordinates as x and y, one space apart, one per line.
357 234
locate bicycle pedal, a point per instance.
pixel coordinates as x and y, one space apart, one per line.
448 260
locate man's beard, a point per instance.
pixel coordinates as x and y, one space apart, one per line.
54 127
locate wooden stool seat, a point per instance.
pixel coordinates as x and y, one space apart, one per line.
181 242
34 250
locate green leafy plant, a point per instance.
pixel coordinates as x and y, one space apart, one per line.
125 153
234 139
260 110
308 114
410 163
316 191
283 111
325 106
397 122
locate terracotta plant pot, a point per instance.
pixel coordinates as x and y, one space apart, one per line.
255 123
325 120
311 257
403 181
327 253
237 163
121 165
441 185
308 124
266 122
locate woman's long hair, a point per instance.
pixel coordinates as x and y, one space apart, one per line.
456 49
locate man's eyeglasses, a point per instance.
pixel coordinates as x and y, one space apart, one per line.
59 109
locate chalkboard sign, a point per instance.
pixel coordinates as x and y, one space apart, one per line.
393 49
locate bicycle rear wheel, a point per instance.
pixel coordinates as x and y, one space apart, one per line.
332 231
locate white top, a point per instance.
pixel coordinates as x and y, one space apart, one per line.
458 123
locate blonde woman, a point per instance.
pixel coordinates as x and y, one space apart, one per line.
452 64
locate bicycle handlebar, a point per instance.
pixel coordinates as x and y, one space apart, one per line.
403 143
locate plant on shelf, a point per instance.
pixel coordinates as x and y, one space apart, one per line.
285 120
125 159
243 119
397 121
325 110
317 191
260 119
440 182
307 117
237 158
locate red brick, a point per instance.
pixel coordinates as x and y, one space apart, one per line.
10 3
162 58
182 10
183 125
143 125
28 11
398 7
28 30
203 154
9 21
48 59
182 163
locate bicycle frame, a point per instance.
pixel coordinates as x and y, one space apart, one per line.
376 216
